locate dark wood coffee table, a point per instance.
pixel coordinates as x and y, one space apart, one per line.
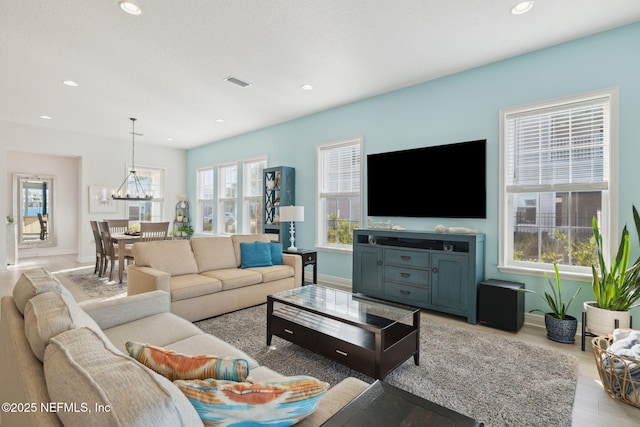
382 404
371 336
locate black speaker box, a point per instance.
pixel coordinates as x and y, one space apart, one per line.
500 305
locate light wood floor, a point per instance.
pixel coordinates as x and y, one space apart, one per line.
592 406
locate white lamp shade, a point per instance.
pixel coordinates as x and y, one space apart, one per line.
291 213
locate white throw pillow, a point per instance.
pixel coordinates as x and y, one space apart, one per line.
34 282
49 314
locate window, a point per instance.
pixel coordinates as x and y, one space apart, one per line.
227 198
205 199
230 197
252 194
339 201
556 159
148 210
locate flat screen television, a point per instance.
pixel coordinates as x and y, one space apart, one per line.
442 181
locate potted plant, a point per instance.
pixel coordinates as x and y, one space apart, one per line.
561 327
186 230
616 288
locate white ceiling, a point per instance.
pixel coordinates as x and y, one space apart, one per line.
167 66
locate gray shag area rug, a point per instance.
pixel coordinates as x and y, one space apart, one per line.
497 380
92 284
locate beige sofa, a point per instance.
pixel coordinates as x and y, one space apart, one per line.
64 363
204 275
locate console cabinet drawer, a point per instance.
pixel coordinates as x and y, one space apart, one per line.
416 259
346 353
411 276
407 293
293 332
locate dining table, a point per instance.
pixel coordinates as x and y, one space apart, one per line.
122 240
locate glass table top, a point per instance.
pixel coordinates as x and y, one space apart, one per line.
346 305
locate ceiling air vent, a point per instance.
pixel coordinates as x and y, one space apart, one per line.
237 82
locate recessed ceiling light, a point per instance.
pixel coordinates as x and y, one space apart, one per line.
306 86
130 8
522 7
69 83
169 139
46 117
219 120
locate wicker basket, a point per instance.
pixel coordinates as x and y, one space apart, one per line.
615 372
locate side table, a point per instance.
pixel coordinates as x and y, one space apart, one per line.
309 257
382 404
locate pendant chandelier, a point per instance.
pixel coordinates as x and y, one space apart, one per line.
131 188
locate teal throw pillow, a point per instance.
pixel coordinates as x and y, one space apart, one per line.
276 253
256 254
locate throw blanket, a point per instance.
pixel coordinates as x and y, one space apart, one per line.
626 343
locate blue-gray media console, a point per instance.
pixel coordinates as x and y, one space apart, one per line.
436 271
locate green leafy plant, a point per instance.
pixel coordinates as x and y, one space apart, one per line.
617 287
554 299
187 229
341 230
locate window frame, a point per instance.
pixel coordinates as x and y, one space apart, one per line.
201 200
158 191
609 196
257 199
242 224
222 199
321 229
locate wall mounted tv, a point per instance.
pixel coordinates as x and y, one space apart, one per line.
442 181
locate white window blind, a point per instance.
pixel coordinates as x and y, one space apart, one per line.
340 169
253 177
205 184
252 220
559 148
227 181
338 191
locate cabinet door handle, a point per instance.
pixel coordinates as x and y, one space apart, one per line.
405 257
379 262
341 353
405 275
289 331
403 292
434 269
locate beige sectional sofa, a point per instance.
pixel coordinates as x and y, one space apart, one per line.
64 363
204 275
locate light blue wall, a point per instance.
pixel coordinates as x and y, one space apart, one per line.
456 108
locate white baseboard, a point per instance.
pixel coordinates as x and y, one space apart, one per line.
333 281
537 320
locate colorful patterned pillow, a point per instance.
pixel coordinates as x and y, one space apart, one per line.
280 401
177 366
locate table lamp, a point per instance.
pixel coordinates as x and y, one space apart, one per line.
292 214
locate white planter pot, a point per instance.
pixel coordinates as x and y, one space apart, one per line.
602 322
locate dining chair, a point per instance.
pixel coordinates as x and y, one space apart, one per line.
43 227
153 231
118 226
111 251
100 262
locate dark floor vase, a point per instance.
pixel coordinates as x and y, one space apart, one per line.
562 331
